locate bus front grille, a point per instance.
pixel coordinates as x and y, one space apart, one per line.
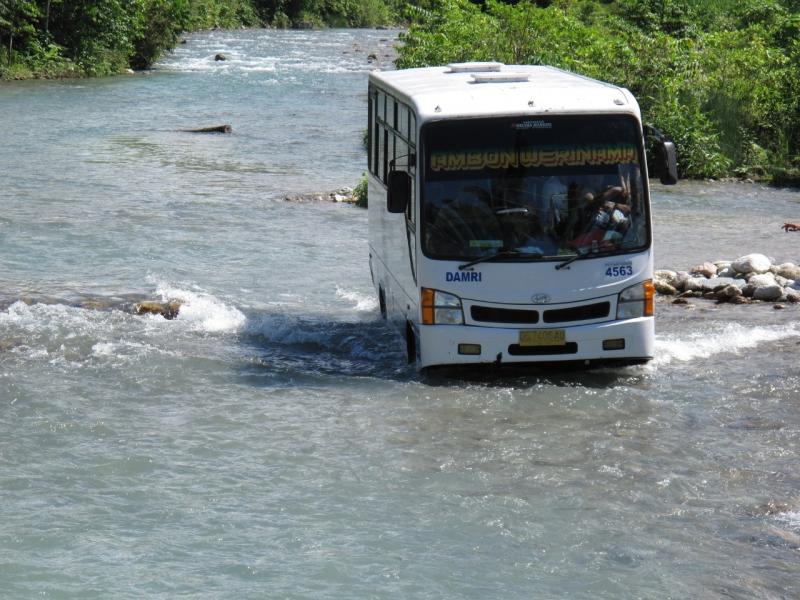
488 314
577 313
516 316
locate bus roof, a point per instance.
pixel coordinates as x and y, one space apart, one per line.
493 89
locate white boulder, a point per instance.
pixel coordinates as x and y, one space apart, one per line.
768 293
752 263
666 276
789 271
762 280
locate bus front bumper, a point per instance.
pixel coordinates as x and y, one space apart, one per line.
631 340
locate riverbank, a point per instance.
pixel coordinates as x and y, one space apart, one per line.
54 40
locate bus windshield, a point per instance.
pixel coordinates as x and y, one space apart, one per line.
531 188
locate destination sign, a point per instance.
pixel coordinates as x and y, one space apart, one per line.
542 156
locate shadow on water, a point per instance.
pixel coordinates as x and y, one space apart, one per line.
532 374
305 347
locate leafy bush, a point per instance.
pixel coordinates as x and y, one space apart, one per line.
720 77
103 37
360 192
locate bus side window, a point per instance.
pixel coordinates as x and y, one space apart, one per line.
412 163
386 151
371 131
380 150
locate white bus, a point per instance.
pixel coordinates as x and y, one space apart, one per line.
509 215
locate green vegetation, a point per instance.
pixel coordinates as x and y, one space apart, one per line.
720 77
360 192
74 38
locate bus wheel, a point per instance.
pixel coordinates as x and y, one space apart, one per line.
382 302
411 344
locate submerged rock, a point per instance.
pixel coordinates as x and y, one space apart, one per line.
137 304
168 310
344 195
772 508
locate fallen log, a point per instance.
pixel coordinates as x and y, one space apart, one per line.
213 129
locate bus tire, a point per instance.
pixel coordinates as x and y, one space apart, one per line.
382 302
411 344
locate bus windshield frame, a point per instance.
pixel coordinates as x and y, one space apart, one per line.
533 188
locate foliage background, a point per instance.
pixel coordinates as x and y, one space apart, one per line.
720 77
68 38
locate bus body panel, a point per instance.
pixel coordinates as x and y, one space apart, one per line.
580 301
390 257
519 282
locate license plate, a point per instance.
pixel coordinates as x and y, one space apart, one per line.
543 337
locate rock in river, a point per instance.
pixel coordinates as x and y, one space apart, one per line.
750 277
752 263
168 310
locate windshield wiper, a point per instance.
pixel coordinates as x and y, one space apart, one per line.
572 259
501 254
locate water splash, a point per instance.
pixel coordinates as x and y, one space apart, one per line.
204 311
730 338
790 519
363 302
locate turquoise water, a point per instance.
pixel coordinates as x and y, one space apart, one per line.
271 442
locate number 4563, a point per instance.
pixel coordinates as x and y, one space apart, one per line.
619 271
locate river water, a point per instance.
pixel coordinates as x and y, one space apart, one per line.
270 442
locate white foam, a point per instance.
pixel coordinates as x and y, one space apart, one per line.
103 349
39 318
205 311
363 302
790 519
731 337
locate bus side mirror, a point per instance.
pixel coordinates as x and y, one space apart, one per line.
667 163
399 191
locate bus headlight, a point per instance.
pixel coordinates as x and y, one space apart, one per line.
636 301
440 308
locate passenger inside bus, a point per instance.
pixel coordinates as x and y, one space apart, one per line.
546 215
605 218
466 225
